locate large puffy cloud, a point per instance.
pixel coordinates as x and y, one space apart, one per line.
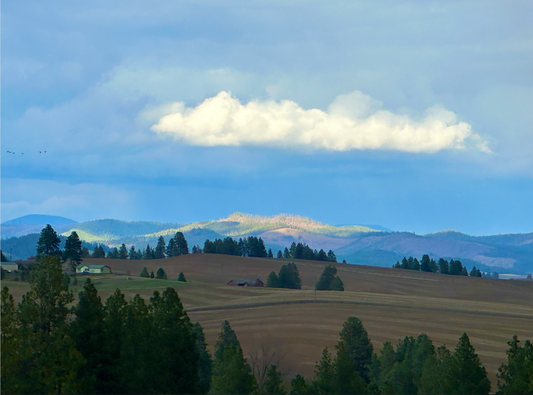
352 121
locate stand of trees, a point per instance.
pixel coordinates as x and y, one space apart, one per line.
453 267
250 246
288 277
328 281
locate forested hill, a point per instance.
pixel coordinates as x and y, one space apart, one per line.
511 253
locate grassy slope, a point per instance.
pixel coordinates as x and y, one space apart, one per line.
391 303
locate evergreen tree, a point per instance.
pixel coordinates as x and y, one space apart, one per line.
331 256
161 275
147 253
152 274
337 285
299 386
280 255
289 277
466 374
325 379
355 343
182 247
456 268
133 254
72 251
464 272
274 381
3 259
348 378
286 253
425 264
181 277
405 263
144 273
98 252
443 266
123 252
113 253
205 364
322 256
475 273
88 332
328 281
159 251
66 280
270 254
515 376
171 248
85 253
49 242
231 373
272 280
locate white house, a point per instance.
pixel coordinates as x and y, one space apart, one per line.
93 269
10 266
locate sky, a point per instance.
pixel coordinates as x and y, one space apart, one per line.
413 115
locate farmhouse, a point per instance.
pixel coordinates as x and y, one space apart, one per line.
93 269
246 283
10 266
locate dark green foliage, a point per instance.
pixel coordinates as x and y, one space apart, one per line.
289 277
475 273
337 285
466 374
272 280
147 255
159 251
325 381
88 332
74 281
180 245
231 373
356 346
515 376
98 252
181 277
144 273
48 243
152 274
331 256
85 253
112 253
205 364
348 377
286 253
274 381
228 246
3 259
299 386
280 255
161 274
133 253
425 264
456 268
328 281
444 267
72 250
270 254
464 272
66 280
123 252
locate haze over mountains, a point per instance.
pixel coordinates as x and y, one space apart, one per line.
357 244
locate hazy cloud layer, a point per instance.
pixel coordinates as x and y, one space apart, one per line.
352 121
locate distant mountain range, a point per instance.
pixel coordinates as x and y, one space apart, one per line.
358 244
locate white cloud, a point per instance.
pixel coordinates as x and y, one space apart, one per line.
352 121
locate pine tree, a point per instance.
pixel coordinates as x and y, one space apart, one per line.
171 248
325 281
274 381
66 280
515 376
425 264
270 254
161 274
49 242
355 343
467 375
159 251
147 253
205 364
325 379
152 274
123 252
133 254
289 277
280 255
337 285
272 280
444 266
231 373
181 277
72 250
144 273
299 386
331 256
181 245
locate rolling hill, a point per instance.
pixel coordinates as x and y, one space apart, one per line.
512 253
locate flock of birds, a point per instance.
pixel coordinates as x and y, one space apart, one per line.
22 153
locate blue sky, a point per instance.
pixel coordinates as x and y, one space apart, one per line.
412 115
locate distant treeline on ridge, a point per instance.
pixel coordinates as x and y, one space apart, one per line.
453 267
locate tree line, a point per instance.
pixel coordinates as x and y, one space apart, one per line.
453 267
138 346
289 277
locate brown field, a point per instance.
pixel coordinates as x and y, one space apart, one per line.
298 324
